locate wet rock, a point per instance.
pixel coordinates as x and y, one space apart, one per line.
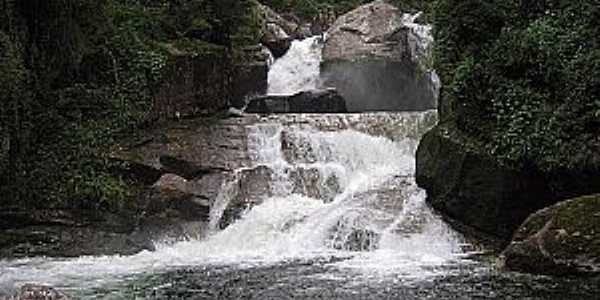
466 184
93 233
39 292
251 76
213 144
177 193
250 188
276 39
374 60
379 85
314 183
352 235
563 239
317 101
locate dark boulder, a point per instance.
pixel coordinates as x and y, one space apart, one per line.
465 183
563 239
317 101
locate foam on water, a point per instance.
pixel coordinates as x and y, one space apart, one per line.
291 226
364 193
298 70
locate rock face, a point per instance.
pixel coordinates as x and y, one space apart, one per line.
278 32
467 185
563 239
192 85
373 58
318 101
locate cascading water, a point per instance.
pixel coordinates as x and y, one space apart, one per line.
341 191
298 69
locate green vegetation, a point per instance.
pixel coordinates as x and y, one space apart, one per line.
523 78
309 9
79 75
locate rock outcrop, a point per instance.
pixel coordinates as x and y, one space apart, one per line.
373 56
563 239
467 184
194 85
317 101
279 32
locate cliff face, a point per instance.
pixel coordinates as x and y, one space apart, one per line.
519 110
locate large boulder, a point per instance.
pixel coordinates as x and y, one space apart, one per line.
374 55
563 239
466 183
317 101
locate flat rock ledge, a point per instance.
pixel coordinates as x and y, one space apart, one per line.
316 101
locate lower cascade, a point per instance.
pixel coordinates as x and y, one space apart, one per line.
340 188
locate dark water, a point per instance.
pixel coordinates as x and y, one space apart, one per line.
321 279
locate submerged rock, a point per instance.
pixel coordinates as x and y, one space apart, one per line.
316 101
352 235
563 239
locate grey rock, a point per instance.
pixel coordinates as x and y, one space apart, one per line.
374 30
379 85
374 60
39 292
276 39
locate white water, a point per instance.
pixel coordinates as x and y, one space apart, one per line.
364 182
292 226
298 70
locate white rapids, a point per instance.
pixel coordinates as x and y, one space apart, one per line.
367 198
298 70
342 186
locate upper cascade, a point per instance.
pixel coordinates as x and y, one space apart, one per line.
298 70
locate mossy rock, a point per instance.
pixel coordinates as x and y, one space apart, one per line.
465 183
563 239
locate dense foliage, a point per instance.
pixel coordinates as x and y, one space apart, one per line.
522 77
309 9
77 75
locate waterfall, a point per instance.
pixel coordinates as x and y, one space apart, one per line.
298 70
340 186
